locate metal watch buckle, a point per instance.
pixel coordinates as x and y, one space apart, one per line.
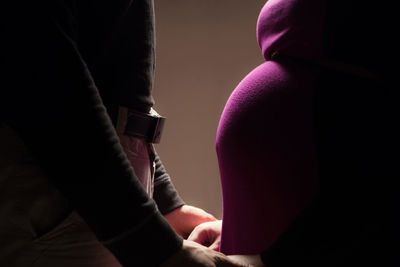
157 127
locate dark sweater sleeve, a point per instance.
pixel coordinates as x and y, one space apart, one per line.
121 58
49 98
165 194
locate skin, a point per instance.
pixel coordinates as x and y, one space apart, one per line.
193 254
251 260
209 234
184 220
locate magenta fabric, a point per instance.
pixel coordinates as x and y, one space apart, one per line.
265 136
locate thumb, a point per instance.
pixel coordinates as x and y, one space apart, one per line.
215 245
199 235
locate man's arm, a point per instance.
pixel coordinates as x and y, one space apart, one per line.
49 98
165 194
183 218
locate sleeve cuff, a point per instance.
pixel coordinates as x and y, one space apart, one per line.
166 196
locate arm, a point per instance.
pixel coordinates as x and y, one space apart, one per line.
51 100
124 76
165 194
183 218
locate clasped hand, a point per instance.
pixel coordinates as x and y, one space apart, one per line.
209 234
203 233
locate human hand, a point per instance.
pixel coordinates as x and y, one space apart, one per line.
185 218
195 255
207 234
252 260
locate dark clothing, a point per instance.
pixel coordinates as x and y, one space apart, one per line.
66 67
350 222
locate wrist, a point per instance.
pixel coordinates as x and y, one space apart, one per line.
185 218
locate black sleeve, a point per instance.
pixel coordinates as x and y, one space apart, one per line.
165 194
117 41
121 58
49 98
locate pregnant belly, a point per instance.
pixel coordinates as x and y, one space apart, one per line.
266 156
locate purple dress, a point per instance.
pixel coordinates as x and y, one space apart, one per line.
265 142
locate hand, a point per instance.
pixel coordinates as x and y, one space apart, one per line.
195 255
208 234
185 218
252 260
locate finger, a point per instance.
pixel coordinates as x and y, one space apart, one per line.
199 236
214 238
211 218
224 261
214 247
253 260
